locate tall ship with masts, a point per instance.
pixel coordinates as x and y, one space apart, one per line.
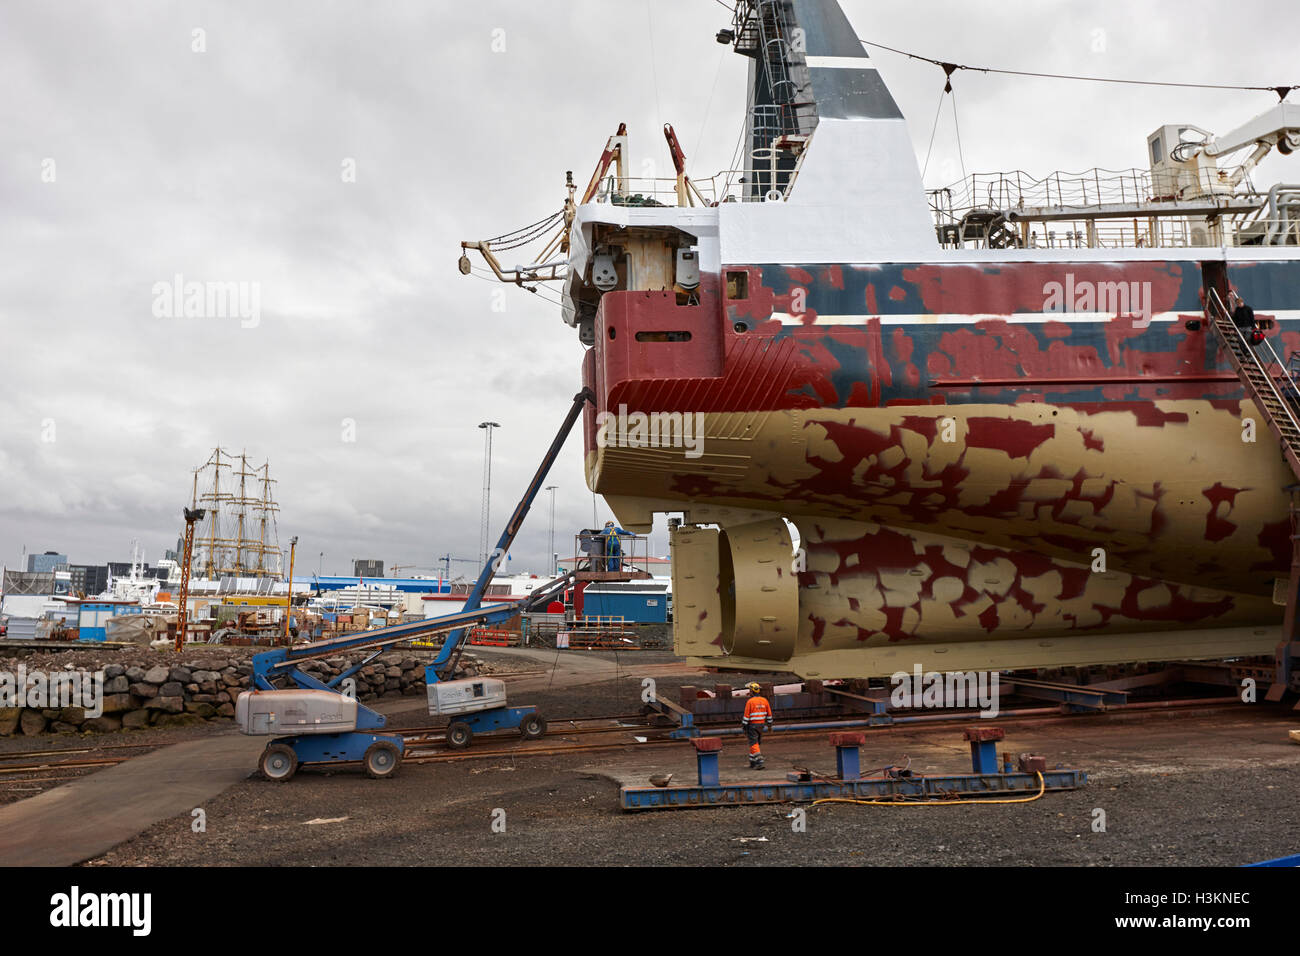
238 537
1018 422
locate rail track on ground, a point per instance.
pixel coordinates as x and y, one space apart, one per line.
565 735
56 766
649 735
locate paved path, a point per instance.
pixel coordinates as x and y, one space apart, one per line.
88 816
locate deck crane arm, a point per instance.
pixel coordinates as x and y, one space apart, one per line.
1277 127
551 264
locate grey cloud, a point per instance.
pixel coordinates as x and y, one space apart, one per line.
226 166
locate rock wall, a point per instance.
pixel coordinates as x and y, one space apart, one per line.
145 690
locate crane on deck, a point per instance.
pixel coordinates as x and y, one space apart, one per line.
317 722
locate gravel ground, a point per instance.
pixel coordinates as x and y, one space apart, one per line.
619 695
1177 789
442 814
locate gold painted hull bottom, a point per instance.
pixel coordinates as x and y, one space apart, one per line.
861 600
863 542
1019 654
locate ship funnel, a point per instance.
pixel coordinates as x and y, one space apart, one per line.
845 83
822 127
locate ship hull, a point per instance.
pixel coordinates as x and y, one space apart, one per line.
976 466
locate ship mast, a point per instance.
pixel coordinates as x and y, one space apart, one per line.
214 565
233 547
243 544
266 509
261 531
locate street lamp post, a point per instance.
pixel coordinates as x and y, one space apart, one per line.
550 548
487 489
288 598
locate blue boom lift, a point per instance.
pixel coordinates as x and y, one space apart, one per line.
321 724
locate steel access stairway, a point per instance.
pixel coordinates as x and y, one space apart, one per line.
1271 385
1267 379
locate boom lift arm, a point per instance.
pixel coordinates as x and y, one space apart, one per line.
283 661
324 725
454 645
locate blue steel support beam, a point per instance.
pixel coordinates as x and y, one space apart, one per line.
706 767
1074 698
984 756
848 762
1287 671
869 788
686 728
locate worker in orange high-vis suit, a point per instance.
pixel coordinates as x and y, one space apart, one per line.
756 719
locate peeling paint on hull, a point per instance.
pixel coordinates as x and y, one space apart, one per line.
917 419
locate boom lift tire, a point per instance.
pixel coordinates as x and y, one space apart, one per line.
278 763
459 735
381 760
532 726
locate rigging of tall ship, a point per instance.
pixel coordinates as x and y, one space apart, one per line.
238 537
1011 423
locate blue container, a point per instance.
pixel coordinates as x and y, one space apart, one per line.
91 618
637 602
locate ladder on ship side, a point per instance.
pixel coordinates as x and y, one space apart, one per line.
1267 379
775 52
762 31
1271 385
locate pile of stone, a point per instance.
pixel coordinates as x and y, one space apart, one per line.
147 693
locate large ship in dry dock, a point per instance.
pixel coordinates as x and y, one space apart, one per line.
1000 425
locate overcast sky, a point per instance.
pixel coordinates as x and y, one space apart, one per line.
228 165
